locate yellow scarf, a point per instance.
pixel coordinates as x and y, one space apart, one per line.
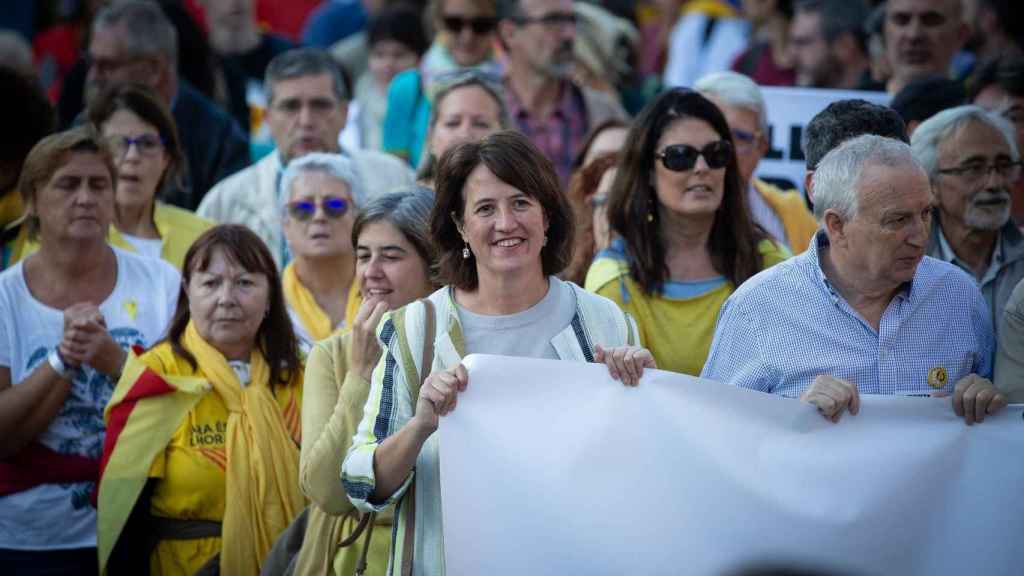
316 322
263 461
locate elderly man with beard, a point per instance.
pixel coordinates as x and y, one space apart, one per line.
546 106
863 310
971 158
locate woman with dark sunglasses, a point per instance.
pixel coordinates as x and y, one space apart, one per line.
320 193
686 239
465 40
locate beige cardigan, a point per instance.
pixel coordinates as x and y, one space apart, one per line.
332 406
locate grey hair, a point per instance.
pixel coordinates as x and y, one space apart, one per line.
147 30
407 209
334 165
300 62
931 133
838 174
735 89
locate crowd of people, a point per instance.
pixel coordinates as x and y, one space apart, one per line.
245 248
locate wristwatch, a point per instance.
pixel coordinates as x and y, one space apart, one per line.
57 363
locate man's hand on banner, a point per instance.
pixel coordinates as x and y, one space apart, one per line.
975 397
439 395
625 363
832 396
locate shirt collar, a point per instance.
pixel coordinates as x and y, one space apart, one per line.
995 263
562 109
821 242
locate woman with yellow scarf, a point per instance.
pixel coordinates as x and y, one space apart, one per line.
200 463
320 193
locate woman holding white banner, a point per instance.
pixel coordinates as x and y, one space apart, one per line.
504 229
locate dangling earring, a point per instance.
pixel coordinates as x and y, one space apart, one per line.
545 242
466 253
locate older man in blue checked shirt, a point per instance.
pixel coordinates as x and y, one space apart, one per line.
863 310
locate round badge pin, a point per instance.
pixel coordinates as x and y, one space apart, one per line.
937 377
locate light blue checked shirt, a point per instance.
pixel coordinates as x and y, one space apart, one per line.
786 325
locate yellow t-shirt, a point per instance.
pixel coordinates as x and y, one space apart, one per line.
677 330
191 475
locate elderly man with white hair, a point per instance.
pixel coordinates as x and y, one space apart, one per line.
320 197
782 214
972 160
863 311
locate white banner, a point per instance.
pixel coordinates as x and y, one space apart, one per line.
553 468
789 111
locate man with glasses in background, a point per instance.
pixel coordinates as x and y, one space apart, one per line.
783 215
134 42
544 103
307 107
972 160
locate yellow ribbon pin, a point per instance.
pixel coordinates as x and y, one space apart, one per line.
937 377
131 307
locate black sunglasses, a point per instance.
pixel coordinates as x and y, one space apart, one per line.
303 210
480 25
683 157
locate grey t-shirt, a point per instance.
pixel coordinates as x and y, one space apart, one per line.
525 334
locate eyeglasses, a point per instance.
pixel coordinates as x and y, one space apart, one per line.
480 25
148 145
981 170
551 20
303 210
683 157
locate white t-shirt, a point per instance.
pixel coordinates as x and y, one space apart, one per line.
148 247
137 312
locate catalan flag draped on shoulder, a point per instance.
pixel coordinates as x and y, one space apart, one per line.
198 434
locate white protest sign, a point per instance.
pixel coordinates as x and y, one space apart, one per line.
789 110
553 468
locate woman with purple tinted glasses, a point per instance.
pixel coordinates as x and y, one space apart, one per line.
320 193
686 239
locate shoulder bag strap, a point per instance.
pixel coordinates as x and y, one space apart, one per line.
409 506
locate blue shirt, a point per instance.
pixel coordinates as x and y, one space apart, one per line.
787 325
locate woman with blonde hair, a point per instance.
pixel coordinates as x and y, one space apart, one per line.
467 30
69 313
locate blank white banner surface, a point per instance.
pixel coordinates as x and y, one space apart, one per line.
553 468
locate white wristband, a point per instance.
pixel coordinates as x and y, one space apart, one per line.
57 363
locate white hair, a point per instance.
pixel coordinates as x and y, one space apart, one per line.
334 165
737 90
931 133
838 174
